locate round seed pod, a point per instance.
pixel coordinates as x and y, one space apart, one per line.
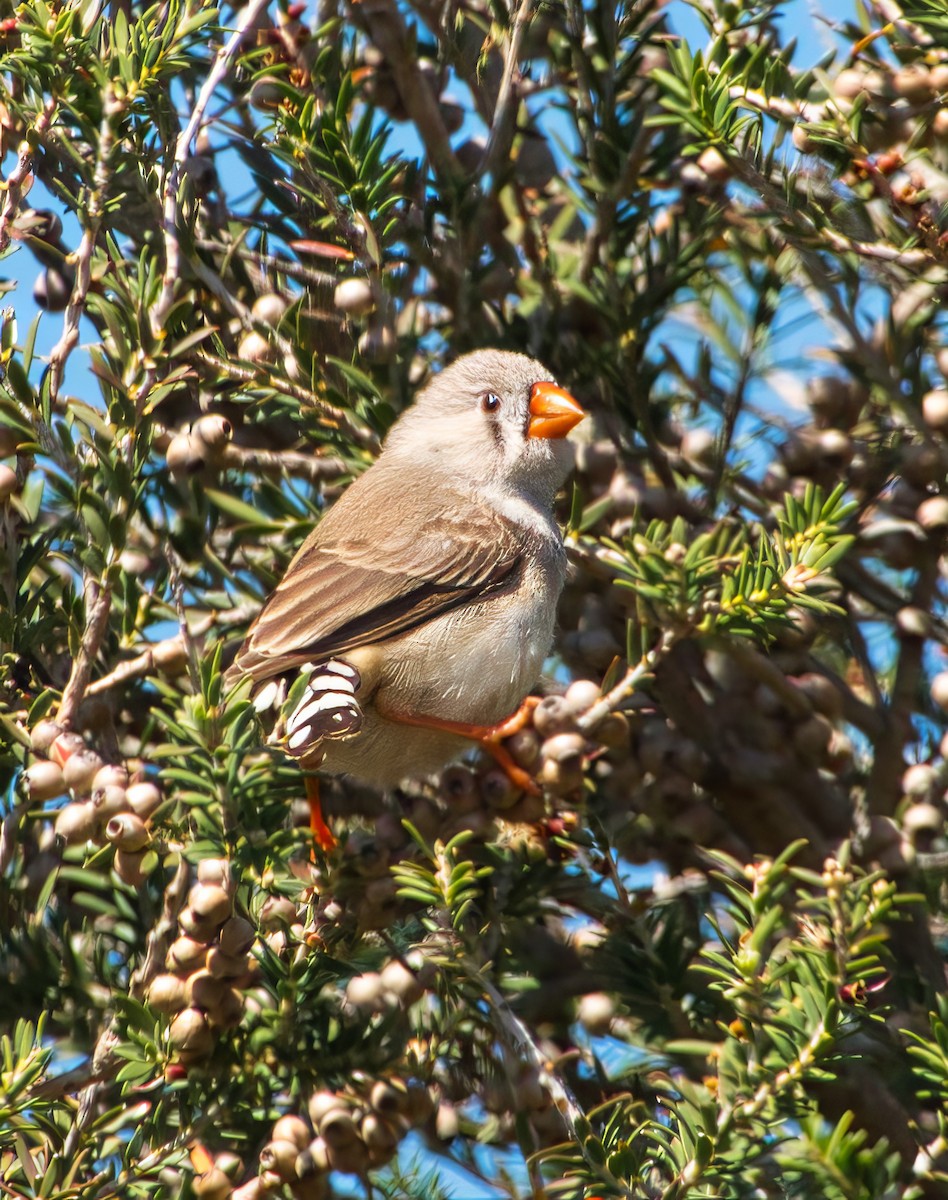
143 799
186 954
209 902
255 348
280 1157
561 778
811 738
213 430
524 748
186 455
292 1129
388 1100
553 715
236 937
564 748
52 290
380 1139
498 790
313 1161
43 734
313 1187
65 746
401 983
168 993
128 865
214 870
932 514
338 1128
919 780
939 690
459 790
913 622
935 409
354 297
923 818
80 770
276 912
582 694
366 993
190 1034
212 1185
913 83
253 1189
77 822
596 1012
713 163
204 989
44 781
127 831
269 308
199 928
377 343
228 1012
111 775
226 966
321 1103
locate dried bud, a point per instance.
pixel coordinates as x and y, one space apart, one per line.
269 309
128 865
276 912
209 902
213 431
190 1034
214 870
213 1185
167 993
226 966
186 954
935 409
43 734
596 1012
498 790
127 831
338 1128
354 297
292 1129
321 1103
80 770
236 937
186 455
553 715
143 799
280 1157
44 781
380 1139
76 822
205 990
401 983
366 993
110 776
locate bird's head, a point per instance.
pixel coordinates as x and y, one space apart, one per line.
492 418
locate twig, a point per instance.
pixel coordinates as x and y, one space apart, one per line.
13 184
169 223
164 927
504 125
98 599
389 34
628 683
69 338
313 467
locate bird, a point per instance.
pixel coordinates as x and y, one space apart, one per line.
416 616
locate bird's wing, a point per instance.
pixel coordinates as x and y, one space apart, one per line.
348 587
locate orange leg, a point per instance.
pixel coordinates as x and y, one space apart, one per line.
321 832
488 737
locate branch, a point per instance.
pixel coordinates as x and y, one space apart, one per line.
504 125
628 683
169 223
14 183
98 605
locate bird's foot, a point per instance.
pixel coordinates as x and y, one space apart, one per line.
488 737
322 834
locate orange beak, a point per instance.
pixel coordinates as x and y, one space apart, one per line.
553 412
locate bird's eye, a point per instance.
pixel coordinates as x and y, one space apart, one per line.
490 402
